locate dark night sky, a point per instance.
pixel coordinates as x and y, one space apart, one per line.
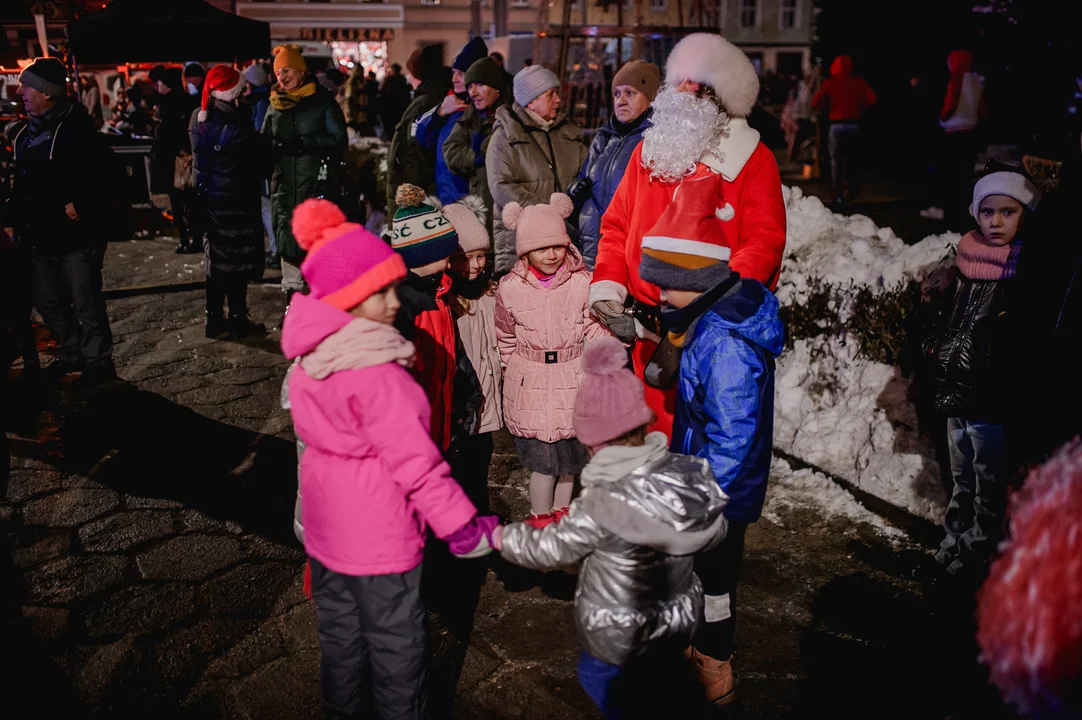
1028 51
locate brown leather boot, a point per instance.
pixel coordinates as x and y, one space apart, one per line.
716 677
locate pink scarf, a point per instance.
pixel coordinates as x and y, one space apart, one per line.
979 260
360 344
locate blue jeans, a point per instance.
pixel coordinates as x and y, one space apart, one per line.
974 521
844 140
67 293
268 225
597 678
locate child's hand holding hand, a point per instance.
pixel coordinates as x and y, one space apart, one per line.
475 538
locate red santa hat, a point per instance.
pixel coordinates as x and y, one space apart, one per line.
688 248
712 60
223 83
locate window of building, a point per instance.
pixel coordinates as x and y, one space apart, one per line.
788 15
429 2
659 5
749 13
520 3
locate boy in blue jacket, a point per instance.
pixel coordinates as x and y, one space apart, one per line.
726 333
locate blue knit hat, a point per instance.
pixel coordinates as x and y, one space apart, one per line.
420 232
470 53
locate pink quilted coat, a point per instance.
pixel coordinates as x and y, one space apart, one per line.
541 333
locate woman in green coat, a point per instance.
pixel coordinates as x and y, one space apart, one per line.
307 132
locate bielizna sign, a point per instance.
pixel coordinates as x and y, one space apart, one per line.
348 34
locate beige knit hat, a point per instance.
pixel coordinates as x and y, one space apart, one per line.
539 226
470 220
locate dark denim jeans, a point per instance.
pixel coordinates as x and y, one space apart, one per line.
974 521
67 293
844 167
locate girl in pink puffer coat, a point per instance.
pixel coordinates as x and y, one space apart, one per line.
542 324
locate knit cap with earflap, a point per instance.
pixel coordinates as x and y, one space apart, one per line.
611 401
289 56
421 233
688 248
223 83
345 263
539 226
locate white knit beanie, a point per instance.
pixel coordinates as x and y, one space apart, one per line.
1004 182
531 81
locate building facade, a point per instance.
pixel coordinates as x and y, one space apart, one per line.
381 33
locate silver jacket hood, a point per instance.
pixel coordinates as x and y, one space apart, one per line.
643 514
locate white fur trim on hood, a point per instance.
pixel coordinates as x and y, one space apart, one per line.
712 60
733 150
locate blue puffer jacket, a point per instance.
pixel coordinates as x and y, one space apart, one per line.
605 166
432 132
725 402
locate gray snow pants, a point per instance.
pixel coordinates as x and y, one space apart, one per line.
372 635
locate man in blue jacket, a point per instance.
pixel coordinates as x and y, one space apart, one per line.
434 126
728 332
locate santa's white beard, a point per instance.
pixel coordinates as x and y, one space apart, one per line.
684 128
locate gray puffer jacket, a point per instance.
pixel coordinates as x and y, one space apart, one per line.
298 523
643 514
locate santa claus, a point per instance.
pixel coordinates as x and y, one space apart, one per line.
700 126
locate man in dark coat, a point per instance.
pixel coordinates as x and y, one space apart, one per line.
407 161
228 178
306 131
64 205
394 97
174 110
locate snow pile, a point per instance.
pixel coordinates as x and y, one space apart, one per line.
848 415
806 489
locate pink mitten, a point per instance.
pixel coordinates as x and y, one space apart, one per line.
474 539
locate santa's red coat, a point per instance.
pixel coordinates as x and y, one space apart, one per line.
751 185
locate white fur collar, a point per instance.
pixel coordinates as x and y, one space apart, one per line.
733 150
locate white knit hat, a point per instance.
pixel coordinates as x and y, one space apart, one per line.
1005 182
712 60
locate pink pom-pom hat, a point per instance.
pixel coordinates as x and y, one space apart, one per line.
539 226
611 401
346 264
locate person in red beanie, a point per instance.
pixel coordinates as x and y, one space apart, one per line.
371 477
699 126
636 592
227 164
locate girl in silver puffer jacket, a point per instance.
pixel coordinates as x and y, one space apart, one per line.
643 514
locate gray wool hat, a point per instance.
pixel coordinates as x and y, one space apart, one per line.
531 81
47 75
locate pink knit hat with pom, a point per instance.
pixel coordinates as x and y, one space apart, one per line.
346 264
539 226
470 220
611 401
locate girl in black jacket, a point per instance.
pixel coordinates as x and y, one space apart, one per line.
971 366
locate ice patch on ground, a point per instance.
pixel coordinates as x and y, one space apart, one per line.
806 489
845 414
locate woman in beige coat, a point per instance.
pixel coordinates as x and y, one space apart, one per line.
535 150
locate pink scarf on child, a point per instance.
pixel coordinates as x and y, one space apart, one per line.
978 260
359 344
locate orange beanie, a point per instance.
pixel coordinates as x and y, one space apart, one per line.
289 56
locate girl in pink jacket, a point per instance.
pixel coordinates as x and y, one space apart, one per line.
371 477
542 324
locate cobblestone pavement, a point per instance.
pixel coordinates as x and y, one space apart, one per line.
150 568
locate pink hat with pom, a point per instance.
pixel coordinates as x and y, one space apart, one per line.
345 264
611 401
539 226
